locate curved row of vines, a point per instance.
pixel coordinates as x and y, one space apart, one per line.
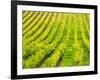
55 39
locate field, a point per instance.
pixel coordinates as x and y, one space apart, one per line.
55 39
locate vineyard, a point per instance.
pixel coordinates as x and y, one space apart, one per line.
55 39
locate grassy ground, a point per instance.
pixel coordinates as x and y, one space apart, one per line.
55 39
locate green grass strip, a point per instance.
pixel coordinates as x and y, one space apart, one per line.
40 30
28 22
37 26
48 29
34 22
27 17
67 59
86 41
25 13
86 24
58 52
85 50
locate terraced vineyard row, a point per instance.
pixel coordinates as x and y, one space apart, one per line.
55 39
